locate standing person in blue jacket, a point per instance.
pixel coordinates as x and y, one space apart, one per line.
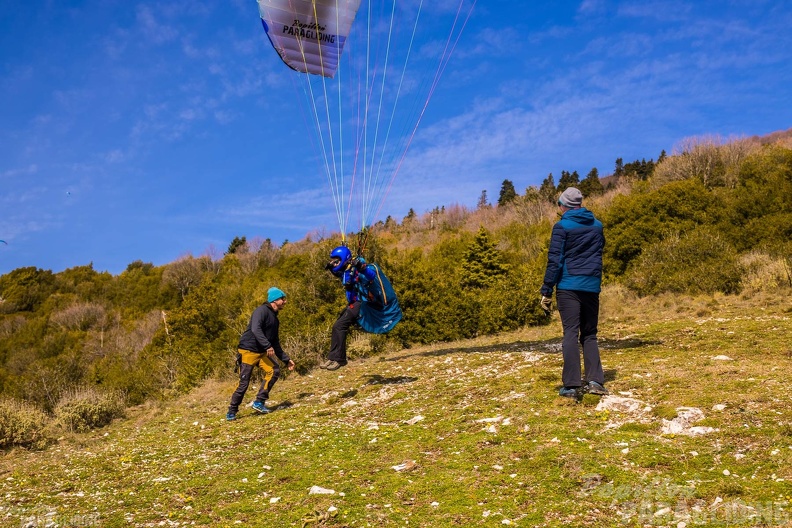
574 269
371 302
260 345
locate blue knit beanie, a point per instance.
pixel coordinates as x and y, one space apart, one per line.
273 294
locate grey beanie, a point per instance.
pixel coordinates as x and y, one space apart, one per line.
571 198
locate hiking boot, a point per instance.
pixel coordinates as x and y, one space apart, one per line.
230 417
325 364
596 388
568 392
334 365
260 408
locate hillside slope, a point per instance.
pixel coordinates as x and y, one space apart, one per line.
697 432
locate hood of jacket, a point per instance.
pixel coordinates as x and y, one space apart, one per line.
581 215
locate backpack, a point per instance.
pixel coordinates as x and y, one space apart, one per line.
379 310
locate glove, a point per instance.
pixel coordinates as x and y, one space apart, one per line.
546 303
359 263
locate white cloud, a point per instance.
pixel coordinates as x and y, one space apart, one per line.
156 31
22 171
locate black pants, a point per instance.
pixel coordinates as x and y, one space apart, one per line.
345 321
579 315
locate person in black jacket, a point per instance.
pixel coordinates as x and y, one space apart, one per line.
260 345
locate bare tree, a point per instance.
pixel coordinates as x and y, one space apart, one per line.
710 159
184 273
80 316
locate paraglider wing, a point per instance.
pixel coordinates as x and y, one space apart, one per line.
4 242
309 35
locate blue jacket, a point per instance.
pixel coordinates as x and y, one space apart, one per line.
574 260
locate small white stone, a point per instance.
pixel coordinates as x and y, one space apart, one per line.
317 490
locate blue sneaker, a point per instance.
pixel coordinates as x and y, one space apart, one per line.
260 408
230 417
568 392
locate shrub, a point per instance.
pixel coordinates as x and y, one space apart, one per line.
306 348
86 408
696 262
22 424
634 222
79 316
764 272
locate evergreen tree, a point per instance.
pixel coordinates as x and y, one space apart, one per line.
618 171
591 185
483 201
641 170
236 244
483 262
548 189
567 180
507 193
25 289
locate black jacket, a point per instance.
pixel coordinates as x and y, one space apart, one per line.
262 333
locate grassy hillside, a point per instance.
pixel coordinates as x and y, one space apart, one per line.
712 217
697 432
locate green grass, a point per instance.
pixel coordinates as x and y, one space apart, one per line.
485 439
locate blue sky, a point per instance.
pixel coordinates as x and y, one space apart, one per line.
150 130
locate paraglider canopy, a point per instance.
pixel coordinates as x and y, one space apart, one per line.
364 104
309 35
